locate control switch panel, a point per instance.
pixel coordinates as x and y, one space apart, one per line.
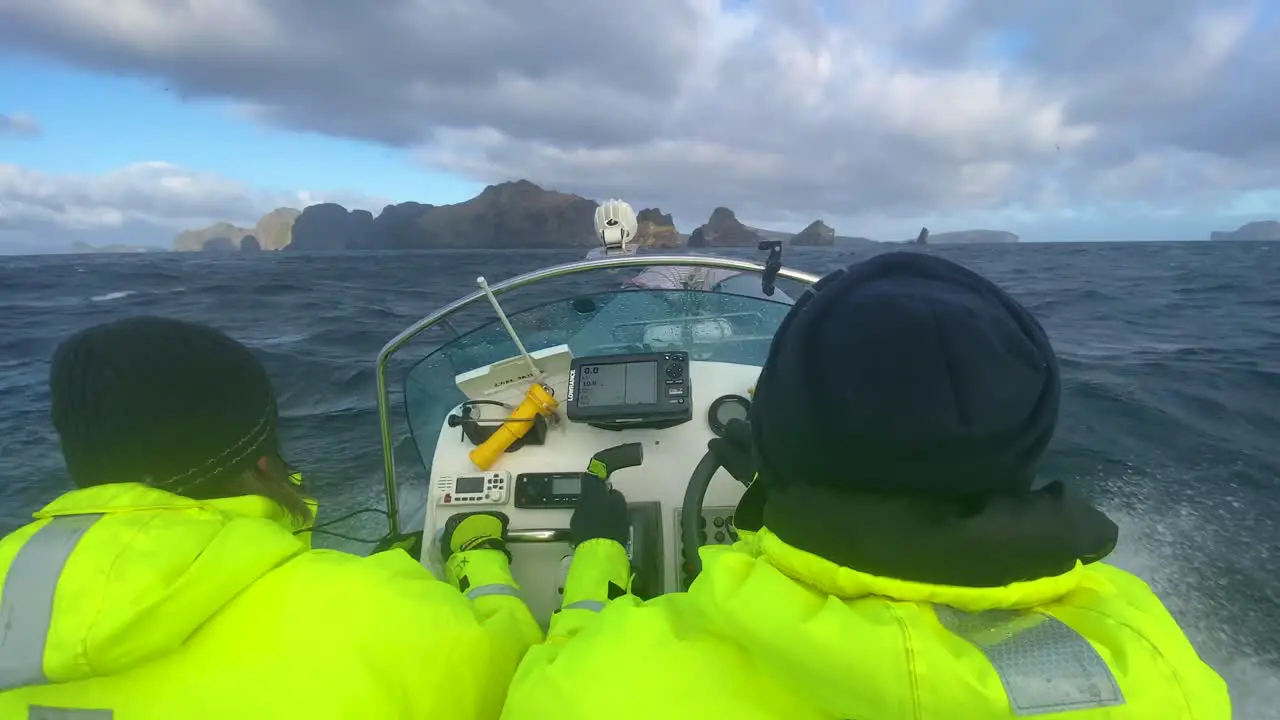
715 528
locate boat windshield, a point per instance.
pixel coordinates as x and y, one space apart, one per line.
713 326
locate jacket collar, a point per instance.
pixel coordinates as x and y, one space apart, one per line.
1001 542
133 497
829 578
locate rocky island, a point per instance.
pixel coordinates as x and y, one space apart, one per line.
817 234
508 215
723 229
1262 230
656 230
273 232
966 237
217 237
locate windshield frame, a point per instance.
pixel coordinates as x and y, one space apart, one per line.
442 315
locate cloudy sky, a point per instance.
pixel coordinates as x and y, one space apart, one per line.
1060 120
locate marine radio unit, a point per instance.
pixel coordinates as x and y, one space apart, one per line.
616 392
548 490
488 488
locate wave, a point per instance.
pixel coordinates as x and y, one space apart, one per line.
113 296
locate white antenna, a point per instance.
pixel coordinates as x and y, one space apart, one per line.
484 286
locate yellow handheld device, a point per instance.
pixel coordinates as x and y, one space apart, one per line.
538 401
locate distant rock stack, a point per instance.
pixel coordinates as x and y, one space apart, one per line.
654 229
220 244
401 227
697 239
217 237
275 230
328 227
817 234
723 229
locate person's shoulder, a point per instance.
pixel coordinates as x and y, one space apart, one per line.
385 578
1104 582
675 621
385 594
392 563
1112 606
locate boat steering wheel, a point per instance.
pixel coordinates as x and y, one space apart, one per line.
695 495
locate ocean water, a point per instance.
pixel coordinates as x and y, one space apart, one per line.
1170 355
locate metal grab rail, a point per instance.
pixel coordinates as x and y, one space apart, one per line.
519 281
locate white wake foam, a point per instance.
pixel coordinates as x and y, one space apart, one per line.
1160 544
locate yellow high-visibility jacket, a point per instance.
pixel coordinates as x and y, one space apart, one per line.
140 604
770 631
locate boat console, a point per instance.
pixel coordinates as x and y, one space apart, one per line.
625 385
657 406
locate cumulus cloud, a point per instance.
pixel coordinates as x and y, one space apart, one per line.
780 108
144 203
18 124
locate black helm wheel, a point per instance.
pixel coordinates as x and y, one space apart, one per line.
695 495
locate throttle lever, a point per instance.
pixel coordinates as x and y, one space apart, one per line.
612 459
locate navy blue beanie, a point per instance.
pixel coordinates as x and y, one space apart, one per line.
175 405
906 375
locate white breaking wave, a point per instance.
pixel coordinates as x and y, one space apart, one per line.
113 295
118 294
1157 543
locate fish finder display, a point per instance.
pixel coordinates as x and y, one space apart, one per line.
631 383
633 390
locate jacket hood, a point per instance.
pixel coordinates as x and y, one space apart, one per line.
790 609
150 569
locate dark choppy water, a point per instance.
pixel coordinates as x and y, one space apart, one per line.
1170 352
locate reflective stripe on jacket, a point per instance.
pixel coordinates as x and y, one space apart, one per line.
138 604
771 631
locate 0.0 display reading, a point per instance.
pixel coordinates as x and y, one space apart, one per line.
633 383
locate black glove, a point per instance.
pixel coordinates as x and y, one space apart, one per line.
601 513
474 531
734 451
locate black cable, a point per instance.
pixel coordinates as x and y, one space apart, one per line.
319 528
464 418
477 431
341 518
353 538
469 403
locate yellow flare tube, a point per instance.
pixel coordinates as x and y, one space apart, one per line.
538 401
